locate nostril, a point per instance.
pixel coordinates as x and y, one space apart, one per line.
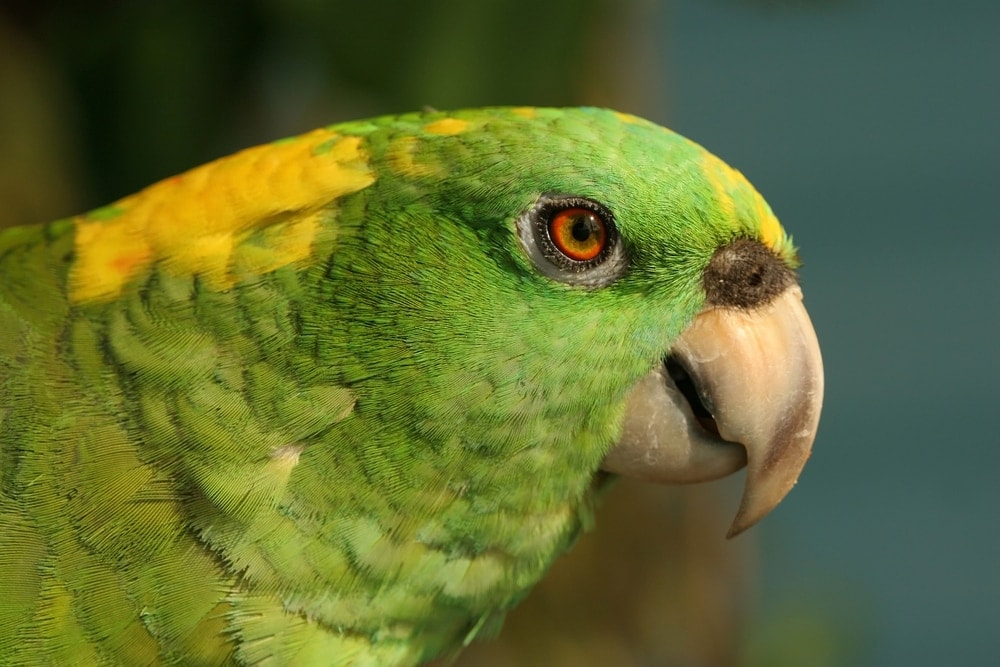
745 274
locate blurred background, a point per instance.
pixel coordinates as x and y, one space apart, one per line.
870 125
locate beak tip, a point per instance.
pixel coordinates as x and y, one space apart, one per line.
758 502
742 523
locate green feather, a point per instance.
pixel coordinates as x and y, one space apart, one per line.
363 455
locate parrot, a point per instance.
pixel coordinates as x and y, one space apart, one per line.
343 398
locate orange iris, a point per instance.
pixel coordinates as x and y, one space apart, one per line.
578 233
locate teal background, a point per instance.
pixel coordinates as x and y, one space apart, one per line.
872 127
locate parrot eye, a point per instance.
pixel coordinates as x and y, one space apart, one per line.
578 233
573 240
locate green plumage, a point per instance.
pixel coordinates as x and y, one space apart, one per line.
365 455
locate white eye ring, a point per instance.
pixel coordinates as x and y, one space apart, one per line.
533 231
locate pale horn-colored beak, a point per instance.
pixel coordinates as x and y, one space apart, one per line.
759 375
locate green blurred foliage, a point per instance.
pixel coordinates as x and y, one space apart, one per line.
814 628
39 157
156 87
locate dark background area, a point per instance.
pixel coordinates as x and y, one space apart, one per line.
870 126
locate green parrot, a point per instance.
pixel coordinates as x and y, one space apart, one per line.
342 399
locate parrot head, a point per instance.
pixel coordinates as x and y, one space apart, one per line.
573 291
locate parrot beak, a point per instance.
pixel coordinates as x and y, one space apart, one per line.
739 387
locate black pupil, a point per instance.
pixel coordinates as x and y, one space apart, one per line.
584 227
